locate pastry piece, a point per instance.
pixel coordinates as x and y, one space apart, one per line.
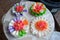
18 9
40 27
37 9
19 27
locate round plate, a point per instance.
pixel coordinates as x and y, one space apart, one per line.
7 18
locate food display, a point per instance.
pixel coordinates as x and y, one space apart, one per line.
28 19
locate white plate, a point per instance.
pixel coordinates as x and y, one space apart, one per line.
7 18
55 36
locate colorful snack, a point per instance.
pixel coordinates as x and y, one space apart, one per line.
37 9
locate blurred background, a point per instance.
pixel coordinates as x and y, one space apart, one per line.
52 5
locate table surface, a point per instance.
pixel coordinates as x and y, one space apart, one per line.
5 5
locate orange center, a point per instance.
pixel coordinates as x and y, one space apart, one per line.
41 25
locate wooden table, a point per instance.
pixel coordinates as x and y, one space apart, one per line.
5 5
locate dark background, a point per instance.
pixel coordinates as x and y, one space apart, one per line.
5 5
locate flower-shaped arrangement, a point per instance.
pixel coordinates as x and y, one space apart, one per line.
19 27
40 27
18 9
37 9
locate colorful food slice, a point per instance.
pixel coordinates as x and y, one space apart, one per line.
37 9
18 9
40 27
18 27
